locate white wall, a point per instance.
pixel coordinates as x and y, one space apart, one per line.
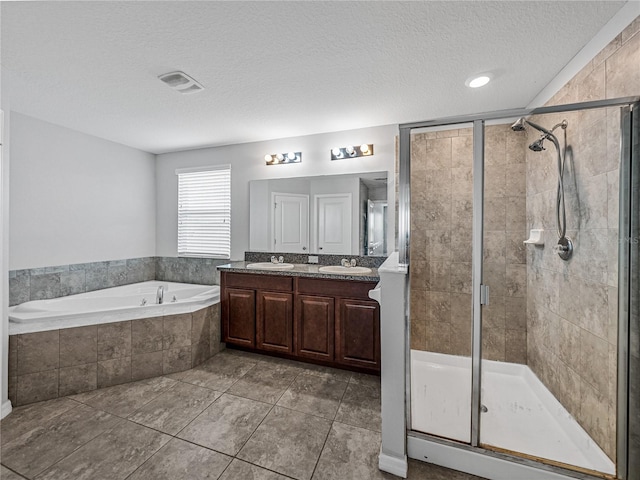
76 198
5 405
247 163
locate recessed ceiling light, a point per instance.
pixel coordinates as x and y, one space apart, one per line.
478 81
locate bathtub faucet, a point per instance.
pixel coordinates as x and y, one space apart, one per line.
160 295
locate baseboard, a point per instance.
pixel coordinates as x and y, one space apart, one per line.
6 409
394 465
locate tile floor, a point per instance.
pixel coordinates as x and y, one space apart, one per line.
238 416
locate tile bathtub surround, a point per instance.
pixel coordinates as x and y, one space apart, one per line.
188 270
60 281
441 224
176 428
68 361
572 306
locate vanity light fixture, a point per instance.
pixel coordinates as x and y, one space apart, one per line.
364 150
280 158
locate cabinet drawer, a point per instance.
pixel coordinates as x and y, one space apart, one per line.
258 282
335 288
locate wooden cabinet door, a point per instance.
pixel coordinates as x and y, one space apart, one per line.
239 316
358 333
274 321
314 327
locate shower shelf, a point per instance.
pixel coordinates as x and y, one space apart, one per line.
535 237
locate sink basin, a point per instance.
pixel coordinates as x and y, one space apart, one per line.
344 270
270 266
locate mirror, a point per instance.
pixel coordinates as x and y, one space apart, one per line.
331 214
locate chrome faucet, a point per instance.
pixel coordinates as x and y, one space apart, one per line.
160 295
346 263
275 259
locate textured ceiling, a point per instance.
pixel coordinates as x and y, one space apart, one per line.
279 69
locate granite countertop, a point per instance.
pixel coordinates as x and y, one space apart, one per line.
300 270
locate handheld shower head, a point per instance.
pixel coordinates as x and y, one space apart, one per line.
538 146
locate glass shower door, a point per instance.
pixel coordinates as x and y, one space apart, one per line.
440 276
549 330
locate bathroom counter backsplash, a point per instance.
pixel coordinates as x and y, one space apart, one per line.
300 270
303 269
303 259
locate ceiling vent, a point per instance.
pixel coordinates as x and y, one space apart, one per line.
181 82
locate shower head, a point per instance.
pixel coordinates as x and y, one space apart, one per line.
538 146
518 125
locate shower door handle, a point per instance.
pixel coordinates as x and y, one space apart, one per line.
484 294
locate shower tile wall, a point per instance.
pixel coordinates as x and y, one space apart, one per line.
572 306
441 221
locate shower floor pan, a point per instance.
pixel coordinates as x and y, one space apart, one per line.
522 415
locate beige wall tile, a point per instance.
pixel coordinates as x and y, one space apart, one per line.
36 387
146 335
38 352
201 323
114 371
114 340
78 346
146 365
176 331
176 360
623 76
78 379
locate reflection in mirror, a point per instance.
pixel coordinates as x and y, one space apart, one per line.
332 214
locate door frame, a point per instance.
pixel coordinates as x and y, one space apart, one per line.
447 451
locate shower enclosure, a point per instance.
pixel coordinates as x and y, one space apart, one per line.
523 290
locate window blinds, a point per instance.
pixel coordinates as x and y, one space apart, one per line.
204 212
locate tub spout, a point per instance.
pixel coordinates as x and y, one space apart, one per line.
160 295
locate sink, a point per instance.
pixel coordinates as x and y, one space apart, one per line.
270 266
344 270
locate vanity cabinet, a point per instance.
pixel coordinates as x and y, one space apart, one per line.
322 320
274 321
315 327
239 304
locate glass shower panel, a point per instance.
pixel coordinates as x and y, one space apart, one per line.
549 333
440 275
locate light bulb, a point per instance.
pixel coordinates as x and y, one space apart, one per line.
268 158
337 152
280 157
364 148
350 150
291 156
479 81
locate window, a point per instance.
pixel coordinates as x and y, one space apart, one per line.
204 212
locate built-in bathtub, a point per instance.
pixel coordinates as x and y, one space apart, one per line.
78 343
128 302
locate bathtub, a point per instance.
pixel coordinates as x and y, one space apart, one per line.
522 414
128 302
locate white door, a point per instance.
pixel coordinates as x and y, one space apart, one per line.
334 223
290 222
